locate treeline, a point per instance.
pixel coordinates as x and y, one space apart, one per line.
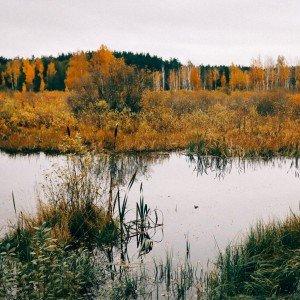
51 73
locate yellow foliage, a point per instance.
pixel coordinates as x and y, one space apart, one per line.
102 60
78 70
51 70
243 123
29 71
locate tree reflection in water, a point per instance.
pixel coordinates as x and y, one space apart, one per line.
141 224
222 166
140 228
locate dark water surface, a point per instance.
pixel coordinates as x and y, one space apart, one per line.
209 201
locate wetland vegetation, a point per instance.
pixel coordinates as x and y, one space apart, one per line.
78 242
206 122
111 102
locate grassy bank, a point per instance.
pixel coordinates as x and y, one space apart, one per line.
266 264
208 122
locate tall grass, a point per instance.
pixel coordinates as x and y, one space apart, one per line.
55 253
71 204
265 264
209 122
51 272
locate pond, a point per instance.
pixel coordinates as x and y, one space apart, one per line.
209 201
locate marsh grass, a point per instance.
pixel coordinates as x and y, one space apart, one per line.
240 124
73 249
72 206
51 271
71 232
265 264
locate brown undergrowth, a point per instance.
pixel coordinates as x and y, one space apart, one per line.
212 122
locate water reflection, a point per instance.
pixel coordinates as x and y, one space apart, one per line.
295 166
140 224
210 164
176 184
140 229
222 166
118 170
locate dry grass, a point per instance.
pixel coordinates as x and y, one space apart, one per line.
71 204
243 123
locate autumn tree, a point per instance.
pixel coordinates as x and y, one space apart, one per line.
209 79
195 78
29 72
223 80
238 79
185 76
78 71
215 76
51 72
173 80
105 78
119 84
282 72
256 74
212 76
13 70
270 73
157 79
39 84
103 66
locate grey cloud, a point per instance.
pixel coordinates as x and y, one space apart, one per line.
209 32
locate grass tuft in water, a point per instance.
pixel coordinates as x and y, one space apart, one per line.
266 264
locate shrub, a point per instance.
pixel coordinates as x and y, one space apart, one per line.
51 272
266 107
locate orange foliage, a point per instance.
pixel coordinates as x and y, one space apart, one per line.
242 123
256 74
29 71
39 66
102 61
78 70
195 78
238 78
51 70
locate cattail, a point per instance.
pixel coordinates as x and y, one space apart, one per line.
116 131
115 135
68 131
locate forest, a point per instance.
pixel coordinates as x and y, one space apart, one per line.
105 100
51 73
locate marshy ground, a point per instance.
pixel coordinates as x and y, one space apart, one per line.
77 245
208 122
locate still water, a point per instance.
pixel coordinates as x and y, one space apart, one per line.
210 202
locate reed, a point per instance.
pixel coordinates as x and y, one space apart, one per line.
266 264
52 272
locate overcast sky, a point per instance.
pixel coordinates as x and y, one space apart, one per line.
208 32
